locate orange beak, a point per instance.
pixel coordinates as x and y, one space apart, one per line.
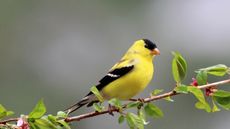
155 51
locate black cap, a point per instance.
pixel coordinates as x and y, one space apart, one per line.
149 44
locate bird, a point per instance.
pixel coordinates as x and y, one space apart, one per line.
127 77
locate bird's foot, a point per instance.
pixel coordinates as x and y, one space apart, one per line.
110 109
141 100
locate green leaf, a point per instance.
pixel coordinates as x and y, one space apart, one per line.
9 113
141 114
181 89
169 99
2 109
214 108
175 71
179 67
44 124
133 104
134 121
97 93
4 112
228 71
130 120
222 98
216 70
39 110
224 102
202 77
153 111
2 115
202 104
32 125
52 119
115 102
60 124
156 92
97 107
121 119
61 114
221 93
197 93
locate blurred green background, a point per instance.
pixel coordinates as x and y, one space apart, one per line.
57 50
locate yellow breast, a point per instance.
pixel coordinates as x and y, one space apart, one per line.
130 84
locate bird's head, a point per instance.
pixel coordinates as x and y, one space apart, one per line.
145 47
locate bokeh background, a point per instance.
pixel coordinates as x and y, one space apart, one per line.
57 50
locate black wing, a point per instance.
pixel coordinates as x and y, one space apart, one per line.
112 76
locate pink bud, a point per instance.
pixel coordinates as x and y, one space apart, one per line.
209 91
23 124
194 82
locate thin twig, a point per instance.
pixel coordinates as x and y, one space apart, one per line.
91 114
145 100
172 93
9 120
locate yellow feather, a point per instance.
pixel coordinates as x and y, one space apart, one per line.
136 80
140 56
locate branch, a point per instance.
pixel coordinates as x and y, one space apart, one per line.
110 111
9 120
91 114
145 100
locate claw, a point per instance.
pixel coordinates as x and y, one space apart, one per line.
110 109
141 100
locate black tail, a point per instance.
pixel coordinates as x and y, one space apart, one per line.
89 100
78 105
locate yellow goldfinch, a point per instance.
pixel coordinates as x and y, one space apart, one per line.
127 77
